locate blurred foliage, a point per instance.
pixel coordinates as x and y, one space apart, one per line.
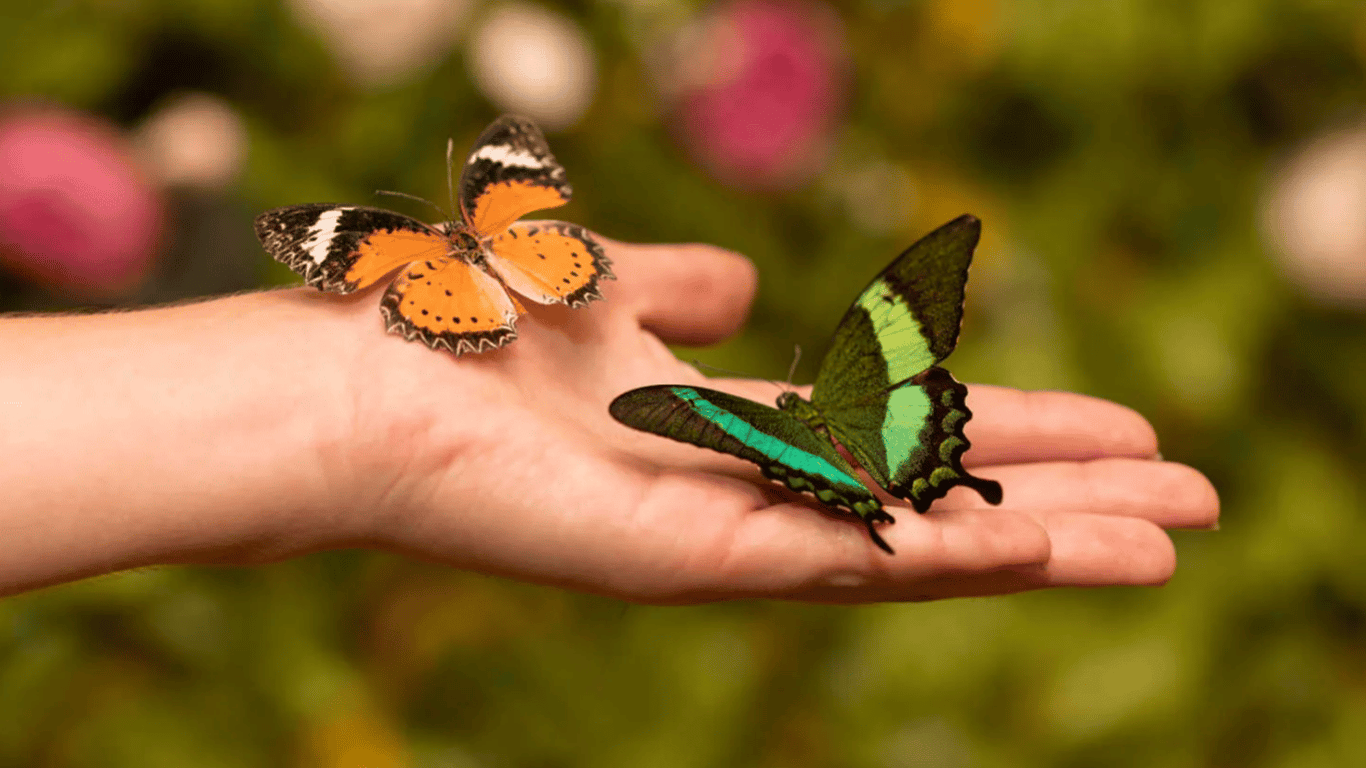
1117 152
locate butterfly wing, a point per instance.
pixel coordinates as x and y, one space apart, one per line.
898 415
510 173
551 262
451 305
343 248
785 449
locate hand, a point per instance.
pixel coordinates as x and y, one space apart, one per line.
508 462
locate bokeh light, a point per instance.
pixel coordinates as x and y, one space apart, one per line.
76 212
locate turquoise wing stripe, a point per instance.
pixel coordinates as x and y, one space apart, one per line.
767 445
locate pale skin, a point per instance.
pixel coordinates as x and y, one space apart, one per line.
259 427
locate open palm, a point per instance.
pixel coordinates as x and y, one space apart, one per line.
508 462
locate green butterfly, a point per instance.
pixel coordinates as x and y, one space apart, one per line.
879 393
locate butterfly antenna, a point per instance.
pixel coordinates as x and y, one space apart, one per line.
407 196
796 358
450 175
699 364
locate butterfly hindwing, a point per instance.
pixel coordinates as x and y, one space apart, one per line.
510 173
783 447
450 304
342 248
551 262
910 439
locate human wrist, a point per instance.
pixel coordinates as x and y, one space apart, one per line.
191 434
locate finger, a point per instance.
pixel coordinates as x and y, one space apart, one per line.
685 294
1165 493
1011 426
792 551
1087 551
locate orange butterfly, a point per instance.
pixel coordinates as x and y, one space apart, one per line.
452 291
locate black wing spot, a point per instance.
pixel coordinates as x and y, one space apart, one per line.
542 255
424 312
448 293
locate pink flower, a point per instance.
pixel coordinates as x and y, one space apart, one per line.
75 211
758 87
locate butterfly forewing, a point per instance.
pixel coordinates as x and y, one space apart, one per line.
785 449
343 248
906 320
510 173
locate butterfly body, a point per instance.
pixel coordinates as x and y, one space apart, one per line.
456 280
879 395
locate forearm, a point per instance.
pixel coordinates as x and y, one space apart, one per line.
197 433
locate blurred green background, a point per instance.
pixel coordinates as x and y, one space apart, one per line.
1154 234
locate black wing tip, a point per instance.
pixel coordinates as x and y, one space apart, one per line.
625 404
966 228
966 221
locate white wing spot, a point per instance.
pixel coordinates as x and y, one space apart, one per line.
500 153
320 236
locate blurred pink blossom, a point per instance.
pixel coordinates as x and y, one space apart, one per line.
757 88
76 213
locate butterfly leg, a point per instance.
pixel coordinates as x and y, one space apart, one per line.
878 515
873 534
